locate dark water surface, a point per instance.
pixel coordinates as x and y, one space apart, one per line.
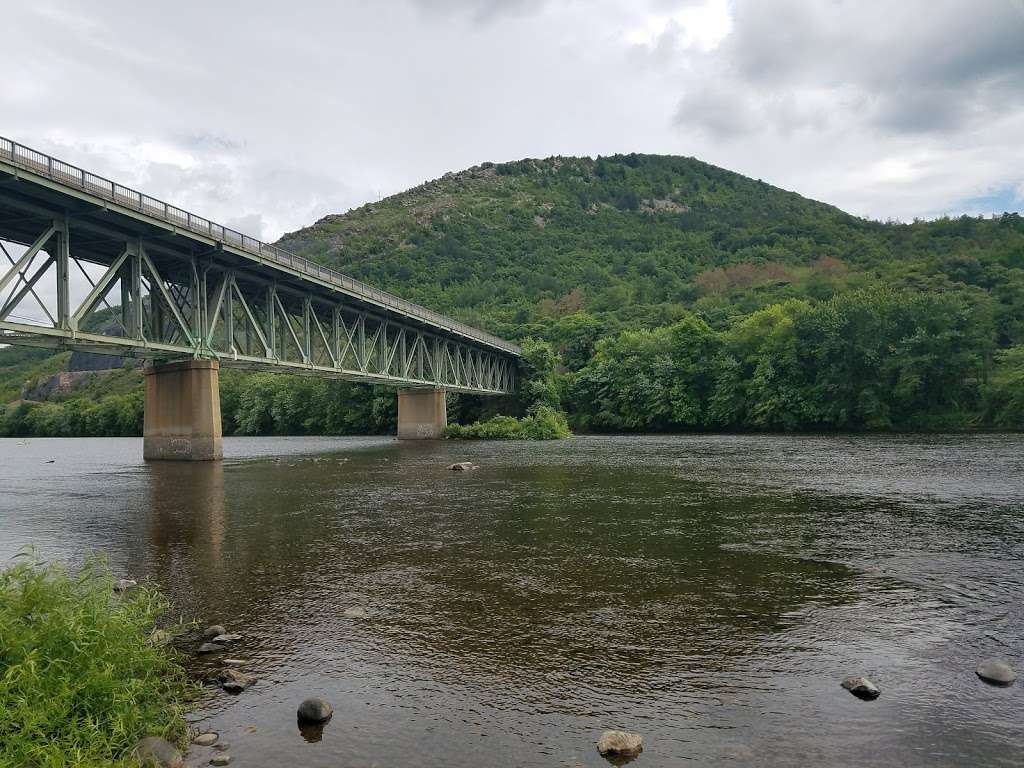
707 592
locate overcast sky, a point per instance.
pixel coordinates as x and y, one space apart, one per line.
268 115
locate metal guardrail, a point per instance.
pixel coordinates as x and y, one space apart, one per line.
64 173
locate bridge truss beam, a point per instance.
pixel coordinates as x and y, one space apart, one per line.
151 299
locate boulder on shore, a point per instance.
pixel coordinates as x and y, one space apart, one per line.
212 631
620 744
861 687
314 710
996 672
233 681
154 752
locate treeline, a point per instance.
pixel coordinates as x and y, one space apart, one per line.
872 359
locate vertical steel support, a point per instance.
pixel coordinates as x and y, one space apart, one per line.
229 311
271 331
307 331
135 257
63 277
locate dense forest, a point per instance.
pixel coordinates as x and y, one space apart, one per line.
651 293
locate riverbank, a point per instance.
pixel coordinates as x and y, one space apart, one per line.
84 673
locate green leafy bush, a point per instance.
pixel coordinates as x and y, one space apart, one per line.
542 423
80 679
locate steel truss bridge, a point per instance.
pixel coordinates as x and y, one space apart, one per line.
91 265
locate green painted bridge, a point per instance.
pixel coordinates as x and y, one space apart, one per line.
89 264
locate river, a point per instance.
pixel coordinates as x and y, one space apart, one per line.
709 592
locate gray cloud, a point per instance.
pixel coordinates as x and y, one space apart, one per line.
272 114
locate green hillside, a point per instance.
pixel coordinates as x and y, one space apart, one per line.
676 295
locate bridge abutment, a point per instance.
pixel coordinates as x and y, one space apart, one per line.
422 414
182 417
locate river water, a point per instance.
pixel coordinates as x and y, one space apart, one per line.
709 593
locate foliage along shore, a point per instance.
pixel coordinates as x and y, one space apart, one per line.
665 294
83 675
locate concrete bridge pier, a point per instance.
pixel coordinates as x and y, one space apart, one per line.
182 419
422 414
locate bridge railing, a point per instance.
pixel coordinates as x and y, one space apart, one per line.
64 173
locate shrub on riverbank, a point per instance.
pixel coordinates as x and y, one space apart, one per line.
80 681
543 423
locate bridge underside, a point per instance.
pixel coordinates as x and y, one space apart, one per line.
91 272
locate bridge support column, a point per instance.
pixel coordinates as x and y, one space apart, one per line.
182 420
422 414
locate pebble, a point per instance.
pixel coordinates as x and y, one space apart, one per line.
996 672
314 710
153 750
212 631
620 743
861 687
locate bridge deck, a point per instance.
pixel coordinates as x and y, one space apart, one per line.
192 287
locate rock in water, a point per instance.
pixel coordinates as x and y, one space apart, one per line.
211 632
206 739
620 744
996 672
123 585
315 710
226 638
154 752
233 681
861 687
209 648
355 612
221 759
461 466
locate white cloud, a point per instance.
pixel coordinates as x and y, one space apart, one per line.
277 114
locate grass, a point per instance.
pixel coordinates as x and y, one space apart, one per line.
543 423
81 680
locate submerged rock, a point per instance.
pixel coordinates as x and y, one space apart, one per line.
355 612
462 466
233 681
221 759
861 687
314 710
227 638
620 744
206 739
123 585
212 631
996 672
210 648
154 752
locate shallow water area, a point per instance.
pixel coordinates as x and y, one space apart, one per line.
708 592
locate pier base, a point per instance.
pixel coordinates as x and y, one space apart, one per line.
422 414
182 421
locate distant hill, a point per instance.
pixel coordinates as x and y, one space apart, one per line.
812 318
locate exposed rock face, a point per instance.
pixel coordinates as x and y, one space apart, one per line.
861 687
314 710
154 752
620 744
212 631
996 672
233 681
